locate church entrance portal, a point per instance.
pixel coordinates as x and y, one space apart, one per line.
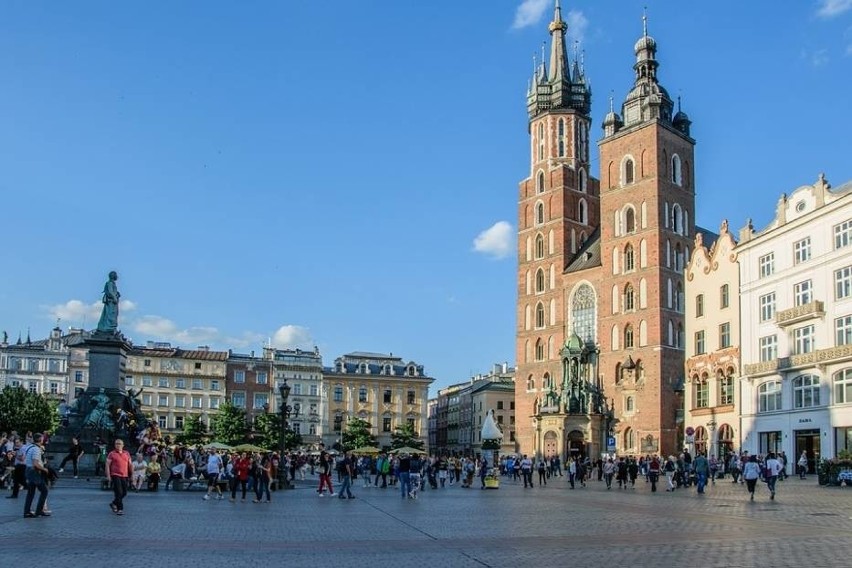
550 444
576 444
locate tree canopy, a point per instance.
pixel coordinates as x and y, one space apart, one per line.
229 425
357 434
194 432
26 411
404 436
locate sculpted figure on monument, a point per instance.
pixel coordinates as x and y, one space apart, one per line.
99 417
108 324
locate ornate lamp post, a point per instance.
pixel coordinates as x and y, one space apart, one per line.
284 390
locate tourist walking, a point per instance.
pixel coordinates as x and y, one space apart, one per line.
214 469
262 479
75 452
654 472
414 468
608 472
542 473
19 473
405 475
670 468
118 469
773 468
526 471
240 476
702 469
751 473
35 473
345 471
802 464
325 475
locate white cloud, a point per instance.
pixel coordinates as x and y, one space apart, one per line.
577 25
529 13
496 241
832 8
291 337
164 329
76 312
817 57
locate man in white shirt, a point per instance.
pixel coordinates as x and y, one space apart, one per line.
214 467
773 468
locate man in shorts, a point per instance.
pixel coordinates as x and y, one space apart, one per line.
214 468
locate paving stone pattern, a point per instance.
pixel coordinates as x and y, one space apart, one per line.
806 525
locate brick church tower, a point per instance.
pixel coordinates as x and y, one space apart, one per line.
600 264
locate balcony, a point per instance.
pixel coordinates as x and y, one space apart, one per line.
815 309
820 356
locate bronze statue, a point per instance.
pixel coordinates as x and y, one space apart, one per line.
108 323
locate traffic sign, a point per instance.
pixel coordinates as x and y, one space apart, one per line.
610 443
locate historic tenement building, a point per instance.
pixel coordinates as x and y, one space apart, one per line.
381 389
712 398
600 312
796 313
175 384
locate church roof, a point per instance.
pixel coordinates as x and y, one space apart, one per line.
589 255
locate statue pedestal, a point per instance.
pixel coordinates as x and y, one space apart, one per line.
107 363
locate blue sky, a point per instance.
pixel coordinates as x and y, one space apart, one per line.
344 174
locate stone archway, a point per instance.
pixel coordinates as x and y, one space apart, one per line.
576 444
551 444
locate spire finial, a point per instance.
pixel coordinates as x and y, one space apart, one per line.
543 58
576 48
610 101
583 61
678 103
535 63
645 21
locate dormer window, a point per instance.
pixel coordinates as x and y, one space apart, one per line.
411 371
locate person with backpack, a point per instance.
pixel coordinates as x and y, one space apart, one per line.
670 469
542 473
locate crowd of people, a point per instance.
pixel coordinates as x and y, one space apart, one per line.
241 474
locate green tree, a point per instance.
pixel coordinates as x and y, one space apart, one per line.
267 429
194 432
405 436
357 434
229 425
267 432
25 411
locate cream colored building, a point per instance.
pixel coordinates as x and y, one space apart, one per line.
711 394
796 305
176 384
381 389
495 391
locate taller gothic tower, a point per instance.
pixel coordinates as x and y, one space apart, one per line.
557 212
600 264
647 211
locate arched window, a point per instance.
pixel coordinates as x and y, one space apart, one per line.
615 255
676 170
679 339
530 383
539 247
539 350
617 373
583 314
843 386
362 394
614 338
679 298
561 137
539 315
629 405
527 317
628 336
617 223
628 172
629 220
700 440
615 298
671 336
629 438
541 141
643 294
702 392
643 333
678 258
644 215
583 180
539 281
545 382
806 391
769 396
677 219
629 298
550 241
582 212
629 258
643 254
540 183
539 213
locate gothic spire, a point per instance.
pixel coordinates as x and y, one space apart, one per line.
558 56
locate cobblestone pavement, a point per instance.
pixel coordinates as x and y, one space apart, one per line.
806 525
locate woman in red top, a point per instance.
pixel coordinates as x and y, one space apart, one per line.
241 469
119 468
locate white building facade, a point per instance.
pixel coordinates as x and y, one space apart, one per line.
796 317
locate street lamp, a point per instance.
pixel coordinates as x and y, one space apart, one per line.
284 390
